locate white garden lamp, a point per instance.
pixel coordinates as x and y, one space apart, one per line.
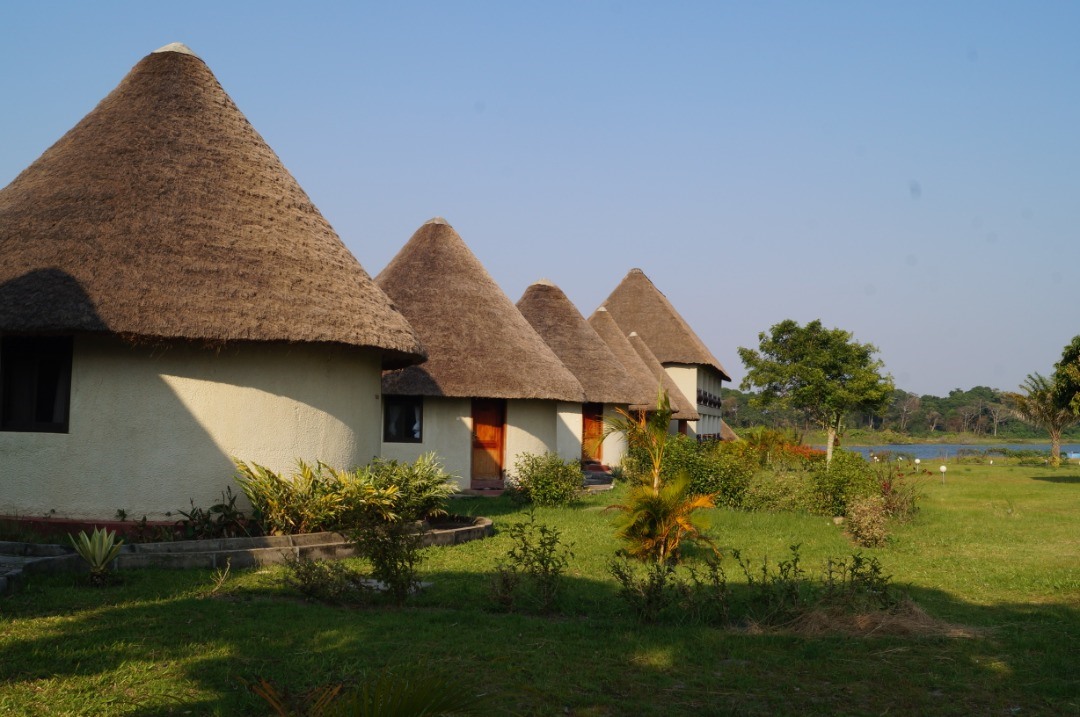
943 469
917 462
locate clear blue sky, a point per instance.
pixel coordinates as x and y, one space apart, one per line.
905 171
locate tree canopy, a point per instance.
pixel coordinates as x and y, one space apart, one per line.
1067 376
822 373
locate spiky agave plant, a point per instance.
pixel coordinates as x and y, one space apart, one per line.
98 550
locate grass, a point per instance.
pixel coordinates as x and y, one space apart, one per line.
994 549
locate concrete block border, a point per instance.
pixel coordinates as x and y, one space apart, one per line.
20 559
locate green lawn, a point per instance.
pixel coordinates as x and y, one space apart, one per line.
995 549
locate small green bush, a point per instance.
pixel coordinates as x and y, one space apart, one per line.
547 480
539 555
836 485
393 546
721 469
647 595
330 581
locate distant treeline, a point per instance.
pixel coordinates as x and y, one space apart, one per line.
980 411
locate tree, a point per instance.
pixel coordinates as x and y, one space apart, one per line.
1067 376
820 372
658 514
1042 405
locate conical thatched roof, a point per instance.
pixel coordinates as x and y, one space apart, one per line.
479 345
646 384
564 329
682 407
637 305
176 220
726 434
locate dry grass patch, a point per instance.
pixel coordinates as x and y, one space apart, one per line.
905 620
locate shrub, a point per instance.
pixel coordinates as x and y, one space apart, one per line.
721 469
837 484
782 490
537 554
648 595
423 487
867 521
330 581
547 480
393 546
654 522
312 499
221 520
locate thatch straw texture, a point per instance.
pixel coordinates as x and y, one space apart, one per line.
564 329
647 386
682 407
726 433
637 305
479 345
173 216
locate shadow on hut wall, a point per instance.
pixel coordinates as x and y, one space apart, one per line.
125 442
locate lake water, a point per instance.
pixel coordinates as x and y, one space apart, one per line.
935 451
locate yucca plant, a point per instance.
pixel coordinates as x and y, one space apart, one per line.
98 550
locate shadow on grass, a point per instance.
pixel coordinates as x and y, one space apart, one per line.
1058 479
159 646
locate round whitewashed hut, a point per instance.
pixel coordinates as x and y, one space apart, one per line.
607 384
637 305
491 389
170 299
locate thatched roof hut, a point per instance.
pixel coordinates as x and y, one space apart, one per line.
637 305
176 220
578 346
479 345
682 407
648 386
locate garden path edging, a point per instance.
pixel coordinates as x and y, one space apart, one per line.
20 559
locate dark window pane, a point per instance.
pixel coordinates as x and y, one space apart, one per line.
35 383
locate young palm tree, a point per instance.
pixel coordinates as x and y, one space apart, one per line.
1042 407
658 514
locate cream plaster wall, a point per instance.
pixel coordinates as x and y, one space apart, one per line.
569 429
685 377
153 428
448 432
531 427
614 447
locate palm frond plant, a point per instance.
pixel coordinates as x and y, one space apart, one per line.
98 550
654 523
658 513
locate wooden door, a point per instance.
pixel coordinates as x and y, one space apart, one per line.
592 431
488 435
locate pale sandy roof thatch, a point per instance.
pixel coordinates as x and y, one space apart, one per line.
577 345
174 219
479 345
682 407
647 385
637 305
726 434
